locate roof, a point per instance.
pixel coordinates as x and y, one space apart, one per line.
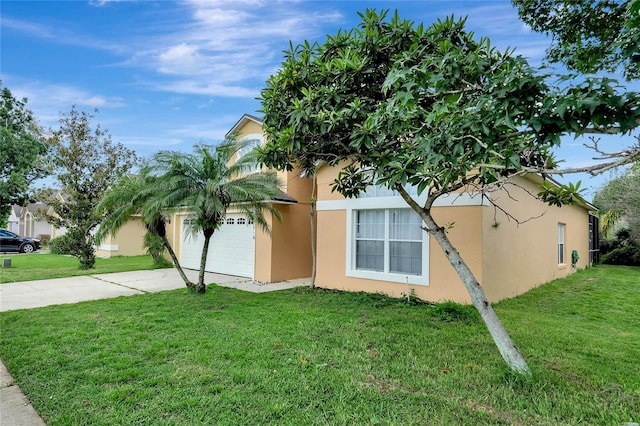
243 120
538 178
283 198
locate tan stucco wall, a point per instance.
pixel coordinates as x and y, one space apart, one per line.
507 260
443 285
520 257
286 253
128 240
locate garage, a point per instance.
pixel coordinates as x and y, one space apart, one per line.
231 249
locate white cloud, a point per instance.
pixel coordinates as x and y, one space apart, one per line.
226 46
44 99
192 86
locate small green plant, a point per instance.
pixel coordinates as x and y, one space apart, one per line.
454 312
156 249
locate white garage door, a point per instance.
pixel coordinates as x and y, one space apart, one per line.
231 249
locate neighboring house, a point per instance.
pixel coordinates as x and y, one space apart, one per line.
13 222
31 221
127 241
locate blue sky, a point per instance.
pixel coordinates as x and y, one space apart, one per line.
168 75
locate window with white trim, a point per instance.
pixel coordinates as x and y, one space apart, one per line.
561 248
250 142
389 245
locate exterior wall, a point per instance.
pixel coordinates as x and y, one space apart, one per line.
174 231
507 259
13 222
286 253
442 282
32 227
518 258
127 242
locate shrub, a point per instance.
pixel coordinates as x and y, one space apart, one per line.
626 255
62 245
624 250
155 248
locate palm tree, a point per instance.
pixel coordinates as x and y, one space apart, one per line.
132 195
208 182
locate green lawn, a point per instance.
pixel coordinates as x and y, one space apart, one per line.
303 357
38 266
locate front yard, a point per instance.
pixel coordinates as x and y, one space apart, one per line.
40 266
316 357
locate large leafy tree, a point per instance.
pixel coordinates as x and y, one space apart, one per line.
431 107
86 163
134 195
207 182
21 151
588 35
620 199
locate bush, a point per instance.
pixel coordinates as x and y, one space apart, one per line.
62 245
624 250
626 255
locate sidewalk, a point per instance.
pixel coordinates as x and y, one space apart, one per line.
15 409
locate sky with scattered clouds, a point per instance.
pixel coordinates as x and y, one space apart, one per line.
170 74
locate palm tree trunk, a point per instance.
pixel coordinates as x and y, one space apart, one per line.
200 288
176 263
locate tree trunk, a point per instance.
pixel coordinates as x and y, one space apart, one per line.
312 215
176 263
200 288
506 347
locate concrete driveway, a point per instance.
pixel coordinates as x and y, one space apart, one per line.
35 294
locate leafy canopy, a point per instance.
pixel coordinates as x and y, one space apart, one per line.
21 148
86 163
620 199
432 106
588 35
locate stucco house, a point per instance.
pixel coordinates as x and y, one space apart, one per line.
375 243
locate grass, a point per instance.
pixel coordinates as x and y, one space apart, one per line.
317 357
39 266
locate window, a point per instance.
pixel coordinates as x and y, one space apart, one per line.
250 142
561 231
388 245
241 221
230 221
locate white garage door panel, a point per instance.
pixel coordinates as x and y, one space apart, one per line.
231 249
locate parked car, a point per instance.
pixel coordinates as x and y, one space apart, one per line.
10 241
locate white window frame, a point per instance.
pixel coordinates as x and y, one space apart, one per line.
562 246
245 150
386 204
